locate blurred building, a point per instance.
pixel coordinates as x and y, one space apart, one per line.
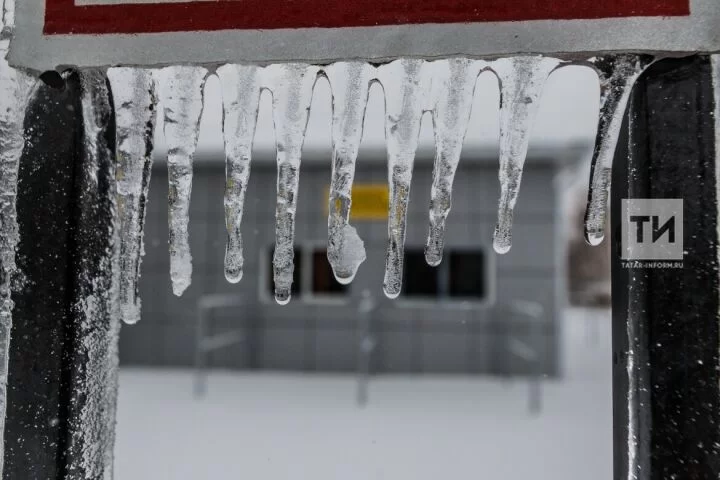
477 312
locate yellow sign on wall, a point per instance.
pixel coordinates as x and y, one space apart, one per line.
370 201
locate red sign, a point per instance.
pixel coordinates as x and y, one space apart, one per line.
98 33
102 17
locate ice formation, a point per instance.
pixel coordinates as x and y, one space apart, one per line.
617 74
292 89
406 84
350 85
181 92
15 89
454 83
522 80
412 87
241 88
135 111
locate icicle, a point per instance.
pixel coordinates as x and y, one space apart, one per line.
181 93
241 87
522 80
617 77
15 89
350 85
454 80
404 96
135 113
292 87
8 20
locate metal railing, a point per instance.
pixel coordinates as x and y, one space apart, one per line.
368 308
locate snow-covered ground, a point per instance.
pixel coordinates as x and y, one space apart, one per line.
282 427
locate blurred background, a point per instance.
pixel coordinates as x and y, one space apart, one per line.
487 366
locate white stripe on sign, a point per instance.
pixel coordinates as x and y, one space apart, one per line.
82 3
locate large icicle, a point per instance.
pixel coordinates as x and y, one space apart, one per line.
15 89
135 113
181 93
241 87
618 74
522 80
292 88
350 85
454 81
405 93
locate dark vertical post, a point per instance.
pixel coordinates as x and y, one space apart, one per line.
61 393
666 338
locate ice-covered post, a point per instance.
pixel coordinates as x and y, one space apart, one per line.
666 333
63 355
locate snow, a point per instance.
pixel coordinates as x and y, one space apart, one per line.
278 426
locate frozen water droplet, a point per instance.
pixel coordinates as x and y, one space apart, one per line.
181 93
350 84
135 113
292 89
15 89
405 88
618 74
454 80
241 88
522 80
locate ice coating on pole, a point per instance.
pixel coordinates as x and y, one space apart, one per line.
292 89
241 87
405 88
454 81
91 421
135 113
181 93
350 85
15 89
618 74
522 80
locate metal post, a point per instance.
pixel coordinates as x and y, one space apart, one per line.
665 320
367 307
63 355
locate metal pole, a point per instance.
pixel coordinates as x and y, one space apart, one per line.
665 320
63 355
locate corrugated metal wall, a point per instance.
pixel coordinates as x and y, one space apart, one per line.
319 335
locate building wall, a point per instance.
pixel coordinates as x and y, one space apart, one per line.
311 334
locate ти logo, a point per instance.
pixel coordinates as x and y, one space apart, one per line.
652 229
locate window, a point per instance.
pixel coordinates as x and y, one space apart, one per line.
297 272
468 274
323 279
419 278
462 275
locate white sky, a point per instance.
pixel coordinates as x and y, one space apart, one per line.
568 113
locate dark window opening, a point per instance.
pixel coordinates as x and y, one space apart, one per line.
468 274
323 279
419 278
297 272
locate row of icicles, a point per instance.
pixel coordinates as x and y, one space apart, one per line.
445 88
